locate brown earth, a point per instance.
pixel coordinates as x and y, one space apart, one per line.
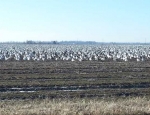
65 79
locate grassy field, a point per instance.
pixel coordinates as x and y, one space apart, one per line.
130 106
74 88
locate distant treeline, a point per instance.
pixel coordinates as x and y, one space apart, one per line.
61 42
75 42
41 42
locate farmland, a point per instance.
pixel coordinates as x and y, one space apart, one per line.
71 81
63 79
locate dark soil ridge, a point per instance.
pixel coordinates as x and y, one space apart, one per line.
76 88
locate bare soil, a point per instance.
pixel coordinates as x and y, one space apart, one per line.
65 79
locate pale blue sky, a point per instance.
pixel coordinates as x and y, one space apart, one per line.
85 20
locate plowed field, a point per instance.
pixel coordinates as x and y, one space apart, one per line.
65 79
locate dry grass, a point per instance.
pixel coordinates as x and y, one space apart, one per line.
130 106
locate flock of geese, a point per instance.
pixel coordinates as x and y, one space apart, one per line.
24 52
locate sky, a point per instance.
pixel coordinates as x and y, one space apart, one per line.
75 20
